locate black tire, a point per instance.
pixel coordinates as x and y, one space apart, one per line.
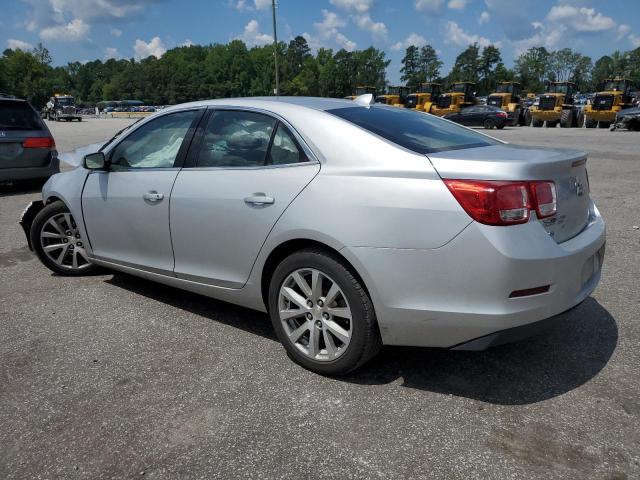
579 119
489 124
48 212
566 119
365 337
604 124
537 123
590 123
500 127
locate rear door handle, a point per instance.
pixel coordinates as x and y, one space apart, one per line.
259 199
153 196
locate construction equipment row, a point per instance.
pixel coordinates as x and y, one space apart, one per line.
555 106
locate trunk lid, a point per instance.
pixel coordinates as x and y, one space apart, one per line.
567 168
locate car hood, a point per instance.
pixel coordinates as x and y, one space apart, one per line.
74 158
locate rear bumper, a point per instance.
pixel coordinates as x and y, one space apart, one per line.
460 292
30 173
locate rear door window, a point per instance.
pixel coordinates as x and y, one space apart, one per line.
415 131
236 139
16 115
284 149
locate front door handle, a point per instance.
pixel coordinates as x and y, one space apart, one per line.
153 196
259 199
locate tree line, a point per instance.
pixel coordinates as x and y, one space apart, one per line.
233 69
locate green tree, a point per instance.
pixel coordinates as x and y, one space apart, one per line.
429 64
410 70
532 68
466 66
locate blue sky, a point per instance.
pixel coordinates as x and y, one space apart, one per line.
88 29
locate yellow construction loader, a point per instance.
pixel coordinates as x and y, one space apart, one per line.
508 98
603 109
460 96
556 107
396 96
362 90
424 99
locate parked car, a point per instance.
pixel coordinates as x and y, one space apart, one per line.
353 224
485 116
27 149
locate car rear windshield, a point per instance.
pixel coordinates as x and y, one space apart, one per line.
18 116
416 131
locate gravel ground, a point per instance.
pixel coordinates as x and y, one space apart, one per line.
111 376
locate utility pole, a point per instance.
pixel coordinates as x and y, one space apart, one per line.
275 45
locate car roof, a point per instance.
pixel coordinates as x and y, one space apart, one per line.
273 103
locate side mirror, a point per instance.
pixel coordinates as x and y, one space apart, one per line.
94 161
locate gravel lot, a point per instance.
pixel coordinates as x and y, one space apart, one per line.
112 376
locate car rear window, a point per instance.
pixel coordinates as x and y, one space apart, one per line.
18 116
416 131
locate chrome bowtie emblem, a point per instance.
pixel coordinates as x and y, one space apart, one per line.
2 134
577 187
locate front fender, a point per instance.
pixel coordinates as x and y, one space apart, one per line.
26 219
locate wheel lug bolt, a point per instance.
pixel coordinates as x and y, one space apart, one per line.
68 233
77 235
309 303
318 324
79 244
325 315
320 303
65 240
71 246
309 316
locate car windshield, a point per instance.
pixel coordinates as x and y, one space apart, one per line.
459 87
18 116
555 88
415 131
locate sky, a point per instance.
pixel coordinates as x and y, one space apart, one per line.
83 30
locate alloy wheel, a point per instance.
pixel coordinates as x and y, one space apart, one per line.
315 314
62 243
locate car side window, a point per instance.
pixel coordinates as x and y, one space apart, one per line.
284 149
234 138
155 144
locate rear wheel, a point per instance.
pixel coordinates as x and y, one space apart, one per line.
590 123
322 313
489 124
56 239
579 119
566 119
537 123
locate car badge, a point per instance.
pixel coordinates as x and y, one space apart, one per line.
577 186
2 134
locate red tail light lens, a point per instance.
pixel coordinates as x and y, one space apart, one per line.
545 197
39 142
504 203
502 114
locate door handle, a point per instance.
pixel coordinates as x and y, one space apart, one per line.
153 196
259 199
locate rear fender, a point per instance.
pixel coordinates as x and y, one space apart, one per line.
26 219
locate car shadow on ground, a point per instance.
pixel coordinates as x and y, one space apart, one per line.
536 369
10 189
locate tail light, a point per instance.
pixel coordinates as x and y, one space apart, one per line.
39 142
502 115
503 202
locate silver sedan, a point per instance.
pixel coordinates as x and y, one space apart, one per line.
352 224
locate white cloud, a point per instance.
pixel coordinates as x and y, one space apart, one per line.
327 33
252 35
262 4
116 32
457 4
622 31
456 35
360 6
73 31
142 49
431 6
15 44
377 29
484 17
580 19
187 43
412 39
635 40
111 52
